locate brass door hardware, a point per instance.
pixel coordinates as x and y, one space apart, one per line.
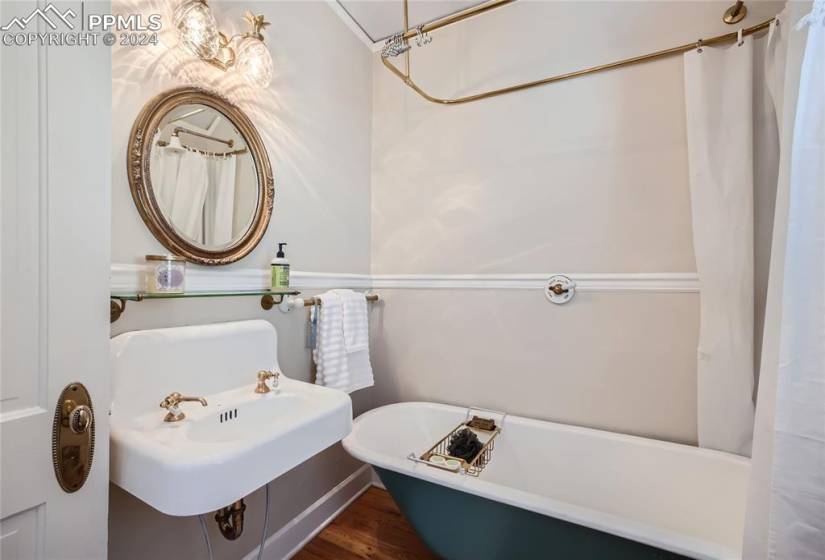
734 14
230 520
172 404
560 289
73 437
264 377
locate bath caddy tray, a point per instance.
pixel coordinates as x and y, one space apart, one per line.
487 431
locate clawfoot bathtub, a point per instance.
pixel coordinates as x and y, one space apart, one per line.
557 491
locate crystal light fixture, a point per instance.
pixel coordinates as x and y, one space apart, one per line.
199 33
255 62
197 28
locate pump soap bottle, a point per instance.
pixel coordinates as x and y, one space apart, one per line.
280 270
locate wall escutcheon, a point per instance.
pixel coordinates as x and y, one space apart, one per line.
560 289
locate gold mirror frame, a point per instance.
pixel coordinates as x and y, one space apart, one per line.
140 181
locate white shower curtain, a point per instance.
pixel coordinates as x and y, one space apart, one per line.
719 104
786 496
220 202
190 194
164 165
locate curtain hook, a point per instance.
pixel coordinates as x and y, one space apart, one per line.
699 45
740 38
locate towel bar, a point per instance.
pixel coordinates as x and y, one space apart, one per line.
289 303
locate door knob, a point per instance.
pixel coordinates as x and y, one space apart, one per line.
80 419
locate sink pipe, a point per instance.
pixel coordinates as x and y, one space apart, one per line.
230 520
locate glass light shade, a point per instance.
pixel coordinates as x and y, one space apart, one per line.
197 29
255 62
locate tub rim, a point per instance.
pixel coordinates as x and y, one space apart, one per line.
645 533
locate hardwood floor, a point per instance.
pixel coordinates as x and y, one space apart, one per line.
372 527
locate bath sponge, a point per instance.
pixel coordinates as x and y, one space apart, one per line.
464 444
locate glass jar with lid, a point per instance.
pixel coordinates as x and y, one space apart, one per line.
165 274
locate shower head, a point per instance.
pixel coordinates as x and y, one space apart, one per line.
395 46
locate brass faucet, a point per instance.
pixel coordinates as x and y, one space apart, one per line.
172 402
263 381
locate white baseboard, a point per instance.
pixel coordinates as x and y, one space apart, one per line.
376 480
293 536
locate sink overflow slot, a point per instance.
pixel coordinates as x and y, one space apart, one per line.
229 415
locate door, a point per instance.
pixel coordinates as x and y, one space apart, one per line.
55 131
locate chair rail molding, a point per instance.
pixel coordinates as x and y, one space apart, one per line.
130 277
674 282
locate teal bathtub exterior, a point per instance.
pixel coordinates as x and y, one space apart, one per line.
461 526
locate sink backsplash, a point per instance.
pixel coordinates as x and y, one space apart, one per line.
196 360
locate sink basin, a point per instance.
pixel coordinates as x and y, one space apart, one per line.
237 443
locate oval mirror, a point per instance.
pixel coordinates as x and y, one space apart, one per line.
200 176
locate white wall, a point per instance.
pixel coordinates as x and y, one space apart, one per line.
587 175
315 119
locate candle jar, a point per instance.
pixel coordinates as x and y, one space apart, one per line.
165 274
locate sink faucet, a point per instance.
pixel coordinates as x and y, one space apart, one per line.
172 402
264 378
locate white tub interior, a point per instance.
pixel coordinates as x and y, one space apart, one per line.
676 497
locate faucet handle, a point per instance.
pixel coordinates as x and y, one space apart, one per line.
267 380
172 404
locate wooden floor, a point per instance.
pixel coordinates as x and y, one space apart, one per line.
372 527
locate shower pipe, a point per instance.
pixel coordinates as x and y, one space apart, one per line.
408 33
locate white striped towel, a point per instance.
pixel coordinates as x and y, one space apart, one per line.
337 367
356 320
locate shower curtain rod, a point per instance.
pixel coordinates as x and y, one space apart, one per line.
163 144
405 76
181 130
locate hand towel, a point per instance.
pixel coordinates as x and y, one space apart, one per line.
356 320
335 366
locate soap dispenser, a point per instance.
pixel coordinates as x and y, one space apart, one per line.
280 269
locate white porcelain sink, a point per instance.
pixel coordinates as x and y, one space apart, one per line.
237 443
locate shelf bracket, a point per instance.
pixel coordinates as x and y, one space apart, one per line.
268 301
116 309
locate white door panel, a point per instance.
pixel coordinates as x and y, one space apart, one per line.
54 262
19 535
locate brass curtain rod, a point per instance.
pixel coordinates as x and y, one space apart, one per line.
179 129
163 143
408 33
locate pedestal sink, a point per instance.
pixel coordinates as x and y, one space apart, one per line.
237 443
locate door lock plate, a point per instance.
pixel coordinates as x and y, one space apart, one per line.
73 437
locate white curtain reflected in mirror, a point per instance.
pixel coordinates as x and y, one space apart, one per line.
203 178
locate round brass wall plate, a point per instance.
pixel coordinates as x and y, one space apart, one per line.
73 437
735 14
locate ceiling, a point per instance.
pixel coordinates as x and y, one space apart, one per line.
379 20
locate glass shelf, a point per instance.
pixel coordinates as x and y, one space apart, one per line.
140 296
269 298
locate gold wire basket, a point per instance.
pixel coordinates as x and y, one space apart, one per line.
487 431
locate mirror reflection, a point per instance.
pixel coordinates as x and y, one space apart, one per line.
203 176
